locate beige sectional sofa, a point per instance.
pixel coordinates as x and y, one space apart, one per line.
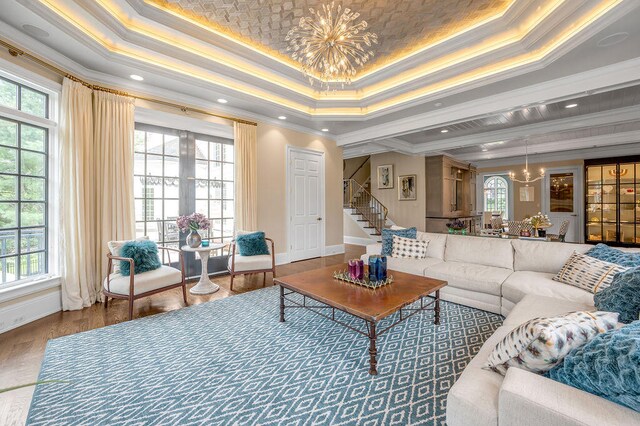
512 278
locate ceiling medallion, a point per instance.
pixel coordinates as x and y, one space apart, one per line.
330 45
526 174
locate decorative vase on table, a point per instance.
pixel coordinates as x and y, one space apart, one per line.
194 239
377 268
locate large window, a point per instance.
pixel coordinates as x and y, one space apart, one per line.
179 172
24 175
496 195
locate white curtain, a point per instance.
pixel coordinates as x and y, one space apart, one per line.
77 197
113 132
96 179
246 177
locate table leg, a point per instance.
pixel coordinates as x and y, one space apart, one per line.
372 349
281 304
437 309
204 285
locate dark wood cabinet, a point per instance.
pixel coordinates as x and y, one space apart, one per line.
612 201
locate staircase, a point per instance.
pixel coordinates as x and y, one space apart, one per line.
366 209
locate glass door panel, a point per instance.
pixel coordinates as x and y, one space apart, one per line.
594 175
609 230
609 175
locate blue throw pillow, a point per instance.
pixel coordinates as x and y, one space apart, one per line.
252 244
622 296
144 254
607 366
619 257
387 238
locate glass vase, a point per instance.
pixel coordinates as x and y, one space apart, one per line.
194 239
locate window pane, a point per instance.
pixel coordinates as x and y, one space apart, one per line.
33 163
138 186
227 171
32 138
33 102
154 143
33 189
154 165
202 189
138 141
171 145
202 150
228 153
215 209
8 94
32 240
138 164
8 215
202 169
8 160
227 191
8 269
171 166
202 206
8 132
215 189
32 214
8 242
172 188
171 208
153 188
32 264
8 188
216 152
216 170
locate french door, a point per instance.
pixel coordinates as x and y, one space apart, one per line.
562 201
179 172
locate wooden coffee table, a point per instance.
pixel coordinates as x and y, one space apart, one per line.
364 303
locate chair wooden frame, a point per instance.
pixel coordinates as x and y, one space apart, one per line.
132 296
232 254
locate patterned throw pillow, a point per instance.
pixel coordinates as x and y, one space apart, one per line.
607 366
387 238
623 296
541 343
409 248
619 257
588 273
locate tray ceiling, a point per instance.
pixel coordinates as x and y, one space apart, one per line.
402 27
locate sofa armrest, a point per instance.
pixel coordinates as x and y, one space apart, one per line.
374 249
528 399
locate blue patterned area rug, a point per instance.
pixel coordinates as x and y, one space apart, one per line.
231 362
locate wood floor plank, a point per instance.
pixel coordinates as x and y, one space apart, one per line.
22 349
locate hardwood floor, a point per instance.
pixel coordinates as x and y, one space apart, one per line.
22 349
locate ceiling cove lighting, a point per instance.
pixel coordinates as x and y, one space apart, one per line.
325 130
136 77
222 101
571 105
525 173
282 117
331 45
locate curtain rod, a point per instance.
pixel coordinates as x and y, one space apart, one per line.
16 52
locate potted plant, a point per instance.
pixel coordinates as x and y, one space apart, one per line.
456 226
540 222
193 223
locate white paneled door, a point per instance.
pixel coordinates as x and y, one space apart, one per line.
306 203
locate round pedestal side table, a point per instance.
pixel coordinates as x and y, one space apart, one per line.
205 285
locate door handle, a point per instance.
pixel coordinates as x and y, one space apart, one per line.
319 218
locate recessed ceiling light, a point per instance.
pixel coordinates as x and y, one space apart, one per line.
612 39
222 101
444 131
571 105
34 31
438 104
136 77
282 117
484 150
325 130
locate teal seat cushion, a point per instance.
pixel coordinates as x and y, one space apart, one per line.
622 296
387 238
253 244
144 254
613 255
607 366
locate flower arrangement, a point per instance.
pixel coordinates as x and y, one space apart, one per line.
456 224
539 221
192 222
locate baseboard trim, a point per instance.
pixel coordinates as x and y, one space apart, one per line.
282 258
357 241
26 311
331 250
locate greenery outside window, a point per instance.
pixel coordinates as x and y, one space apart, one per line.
496 195
24 152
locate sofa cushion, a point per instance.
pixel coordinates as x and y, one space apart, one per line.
534 306
144 282
607 366
622 296
409 248
540 344
470 276
251 263
481 251
387 238
521 283
588 273
411 266
619 257
541 256
437 243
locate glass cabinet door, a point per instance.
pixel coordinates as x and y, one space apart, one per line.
594 208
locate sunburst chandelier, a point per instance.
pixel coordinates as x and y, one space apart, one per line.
525 173
330 45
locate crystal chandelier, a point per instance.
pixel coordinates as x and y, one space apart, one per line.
527 175
330 46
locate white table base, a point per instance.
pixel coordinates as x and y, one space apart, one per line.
205 285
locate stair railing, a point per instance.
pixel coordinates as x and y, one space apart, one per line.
357 198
